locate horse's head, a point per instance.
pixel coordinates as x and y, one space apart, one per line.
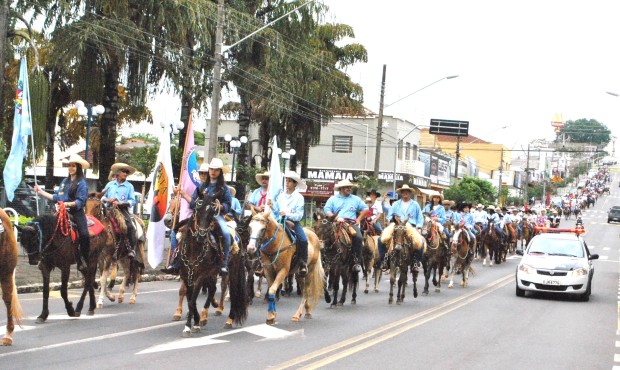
93 207
207 206
33 237
258 225
426 226
324 226
400 233
173 207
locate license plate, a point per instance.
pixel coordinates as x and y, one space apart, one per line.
551 282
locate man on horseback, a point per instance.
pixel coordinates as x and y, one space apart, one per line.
73 193
289 204
120 193
467 220
404 209
258 198
346 208
480 218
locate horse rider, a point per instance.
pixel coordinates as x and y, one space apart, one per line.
346 207
376 209
73 193
480 217
541 220
289 204
516 218
494 219
120 193
437 210
467 219
404 208
555 218
235 207
258 198
174 265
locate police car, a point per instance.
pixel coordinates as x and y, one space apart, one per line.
556 261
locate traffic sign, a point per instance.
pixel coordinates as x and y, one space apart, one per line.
449 127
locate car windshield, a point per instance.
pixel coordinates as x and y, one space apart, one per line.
556 247
615 212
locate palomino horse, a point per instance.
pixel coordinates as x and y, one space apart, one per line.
338 259
8 262
201 256
48 242
434 255
276 252
370 256
116 250
402 241
461 256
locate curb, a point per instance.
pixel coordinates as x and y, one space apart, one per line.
35 288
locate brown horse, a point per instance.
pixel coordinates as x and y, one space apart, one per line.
434 255
201 254
8 262
370 256
48 242
276 252
461 256
116 250
526 232
492 245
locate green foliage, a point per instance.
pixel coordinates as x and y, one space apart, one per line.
4 154
366 184
246 175
516 201
23 220
472 190
587 131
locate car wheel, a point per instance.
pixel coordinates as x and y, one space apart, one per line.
520 292
586 296
608 221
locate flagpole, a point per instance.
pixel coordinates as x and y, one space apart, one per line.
183 167
34 163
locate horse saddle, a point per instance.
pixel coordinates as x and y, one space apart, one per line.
290 230
95 227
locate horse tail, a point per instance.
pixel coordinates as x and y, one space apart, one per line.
315 281
239 299
16 307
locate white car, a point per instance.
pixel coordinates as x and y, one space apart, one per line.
556 262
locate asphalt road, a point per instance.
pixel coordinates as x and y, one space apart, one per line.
484 326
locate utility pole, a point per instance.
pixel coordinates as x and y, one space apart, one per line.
4 22
527 175
458 155
501 168
217 84
380 127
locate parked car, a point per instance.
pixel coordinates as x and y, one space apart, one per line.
556 262
613 214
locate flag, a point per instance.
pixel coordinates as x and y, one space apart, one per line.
275 175
190 179
158 199
22 128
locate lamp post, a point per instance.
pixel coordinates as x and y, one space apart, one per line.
234 145
89 111
287 155
175 127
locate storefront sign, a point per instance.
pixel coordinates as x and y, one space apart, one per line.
325 174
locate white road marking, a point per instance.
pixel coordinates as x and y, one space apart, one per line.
603 257
82 317
606 248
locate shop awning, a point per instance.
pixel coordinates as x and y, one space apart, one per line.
429 192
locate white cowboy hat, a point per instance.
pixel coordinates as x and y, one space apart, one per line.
233 191
216 164
479 206
74 158
259 176
204 167
301 185
498 209
344 184
404 187
118 166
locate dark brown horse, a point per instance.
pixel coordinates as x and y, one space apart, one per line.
435 253
337 258
201 254
8 262
492 245
48 242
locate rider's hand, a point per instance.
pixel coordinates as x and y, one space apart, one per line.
282 213
340 219
37 189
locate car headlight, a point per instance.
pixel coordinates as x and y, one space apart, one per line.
579 272
527 269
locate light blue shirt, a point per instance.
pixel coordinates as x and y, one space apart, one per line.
436 211
292 204
456 217
122 192
413 211
235 206
494 217
255 197
344 207
469 220
480 216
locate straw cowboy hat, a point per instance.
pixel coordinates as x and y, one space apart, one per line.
479 206
111 175
440 196
259 176
447 202
74 158
204 167
301 185
344 184
233 191
404 187
118 166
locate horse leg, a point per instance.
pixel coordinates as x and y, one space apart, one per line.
259 287
103 279
121 289
414 277
427 276
224 289
304 301
134 292
64 281
9 294
273 288
345 287
453 264
179 310
46 295
211 290
192 311
377 274
392 283
355 280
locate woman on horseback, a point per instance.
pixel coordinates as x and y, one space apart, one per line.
73 193
436 209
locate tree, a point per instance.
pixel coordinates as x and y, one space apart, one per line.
586 131
472 190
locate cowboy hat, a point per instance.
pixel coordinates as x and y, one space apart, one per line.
111 175
233 191
498 209
479 206
375 192
447 202
404 187
344 184
461 206
440 196
204 167
301 185
259 176
118 166
216 164
75 158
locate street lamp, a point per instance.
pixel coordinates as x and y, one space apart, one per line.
287 155
175 127
89 111
234 145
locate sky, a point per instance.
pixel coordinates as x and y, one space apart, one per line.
519 62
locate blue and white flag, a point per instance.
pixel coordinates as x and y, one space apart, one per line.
275 174
22 128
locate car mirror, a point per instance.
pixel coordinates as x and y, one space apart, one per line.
593 257
519 252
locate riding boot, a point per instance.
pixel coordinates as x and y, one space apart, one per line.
174 267
131 250
224 268
84 252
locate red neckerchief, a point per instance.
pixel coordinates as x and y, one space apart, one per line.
263 199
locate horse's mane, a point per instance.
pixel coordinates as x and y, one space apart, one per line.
47 223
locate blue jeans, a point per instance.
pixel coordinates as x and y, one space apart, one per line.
499 229
173 261
302 242
226 240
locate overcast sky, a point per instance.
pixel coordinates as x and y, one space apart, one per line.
519 62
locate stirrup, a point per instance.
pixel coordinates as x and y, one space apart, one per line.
303 269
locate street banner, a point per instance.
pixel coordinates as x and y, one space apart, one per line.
158 200
22 128
275 174
189 171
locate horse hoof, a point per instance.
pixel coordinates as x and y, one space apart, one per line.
270 321
132 301
308 316
257 294
218 311
202 323
77 314
450 286
176 317
390 301
339 304
353 301
90 313
295 318
187 332
40 320
424 293
415 294
437 290
112 298
376 290
366 291
195 329
120 299
99 305
6 341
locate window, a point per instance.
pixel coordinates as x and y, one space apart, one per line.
222 146
342 144
414 154
407 151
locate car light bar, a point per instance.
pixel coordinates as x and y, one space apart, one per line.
579 230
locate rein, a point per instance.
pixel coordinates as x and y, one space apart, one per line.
273 237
